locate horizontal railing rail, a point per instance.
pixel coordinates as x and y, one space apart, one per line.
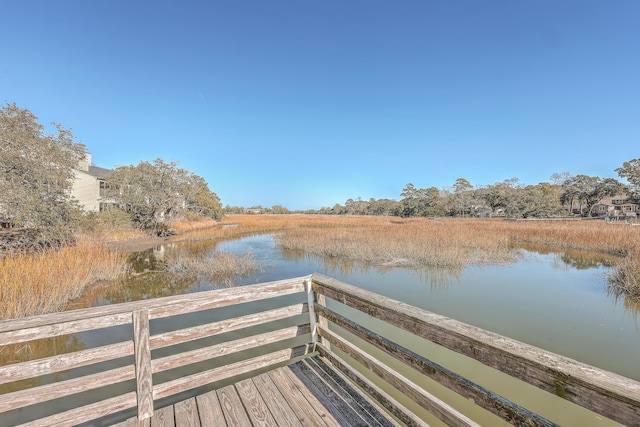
606 393
140 345
246 329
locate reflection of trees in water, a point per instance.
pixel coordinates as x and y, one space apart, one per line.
580 261
585 260
145 261
134 288
37 349
156 273
435 276
574 258
147 286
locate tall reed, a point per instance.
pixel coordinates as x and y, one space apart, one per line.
217 267
624 279
38 283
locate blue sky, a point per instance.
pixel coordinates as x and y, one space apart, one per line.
307 104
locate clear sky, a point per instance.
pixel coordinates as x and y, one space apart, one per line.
309 103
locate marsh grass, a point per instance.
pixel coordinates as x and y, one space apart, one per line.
452 242
412 243
182 226
43 282
624 278
233 226
217 267
120 235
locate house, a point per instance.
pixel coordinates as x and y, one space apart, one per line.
615 206
89 186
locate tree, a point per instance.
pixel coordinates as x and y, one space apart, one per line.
589 190
540 201
383 207
36 174
462 196
356 207
504 197
197 197
154 192
631 172
421 201
279 209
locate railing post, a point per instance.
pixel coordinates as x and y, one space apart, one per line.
314 298
312 312
322 321
144 380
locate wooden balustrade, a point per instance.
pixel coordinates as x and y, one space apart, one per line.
141 344
611 395
298 317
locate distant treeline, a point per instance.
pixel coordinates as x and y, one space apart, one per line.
565 195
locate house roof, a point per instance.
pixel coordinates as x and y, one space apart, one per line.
98 172
608 201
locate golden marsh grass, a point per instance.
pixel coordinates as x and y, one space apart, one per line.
450 242
219 267
38 283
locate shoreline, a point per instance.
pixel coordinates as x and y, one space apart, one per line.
137 244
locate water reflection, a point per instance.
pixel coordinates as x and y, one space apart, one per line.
434 276
571 258
37 349
556 301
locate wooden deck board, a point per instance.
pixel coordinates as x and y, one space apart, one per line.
210 410
186 413
305 393
307 408
163 417
277 403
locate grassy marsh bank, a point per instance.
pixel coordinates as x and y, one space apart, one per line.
37 283
450 242
45 282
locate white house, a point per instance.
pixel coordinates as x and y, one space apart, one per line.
89 186
615 206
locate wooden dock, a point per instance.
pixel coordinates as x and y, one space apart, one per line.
292 352
306 393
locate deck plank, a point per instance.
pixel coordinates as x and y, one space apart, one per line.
234 412
280 408
163 417
329 397
361 403
134 422
210 410
186 413
309 409
254 404
306 393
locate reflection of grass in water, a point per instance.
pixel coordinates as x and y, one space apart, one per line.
220 267
624 278
436 277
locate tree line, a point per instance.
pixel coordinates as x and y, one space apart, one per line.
37 171
564 195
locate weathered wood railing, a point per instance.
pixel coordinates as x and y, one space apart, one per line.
271 324
140 345
605 393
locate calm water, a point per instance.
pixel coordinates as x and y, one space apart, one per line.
555 301
542 299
